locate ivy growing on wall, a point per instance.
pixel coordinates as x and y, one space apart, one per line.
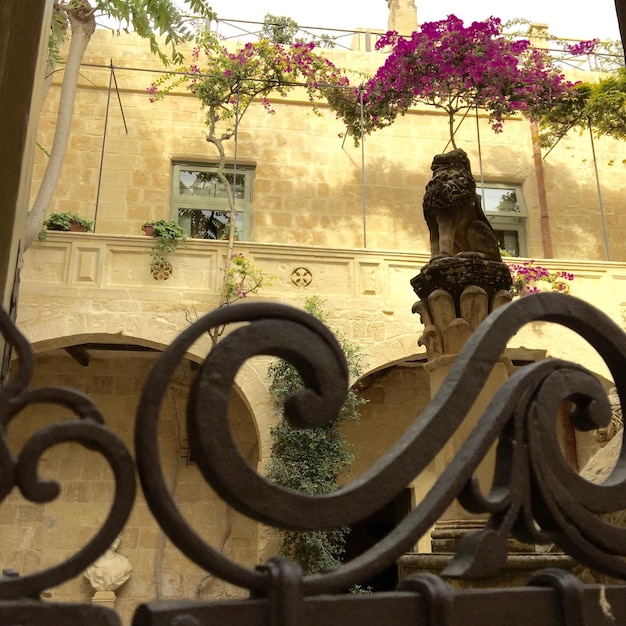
311 460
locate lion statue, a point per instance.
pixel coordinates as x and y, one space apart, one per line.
453 211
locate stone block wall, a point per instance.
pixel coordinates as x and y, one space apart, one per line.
308 181
38 536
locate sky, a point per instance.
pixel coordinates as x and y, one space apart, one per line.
570 19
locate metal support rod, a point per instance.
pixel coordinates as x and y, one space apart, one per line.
595 168
363 199
104 139
544 212
620 7
233 215
119 99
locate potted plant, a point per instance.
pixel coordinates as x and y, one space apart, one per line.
66 222
168 235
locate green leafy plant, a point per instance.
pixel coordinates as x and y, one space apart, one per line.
279 29
311 460
168 234
65 221
283 30
599 105
242 279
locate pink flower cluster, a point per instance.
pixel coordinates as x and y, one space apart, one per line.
226 80
583 47
526 275
455 67
152 89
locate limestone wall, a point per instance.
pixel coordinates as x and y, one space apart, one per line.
35 536
308 181
90 285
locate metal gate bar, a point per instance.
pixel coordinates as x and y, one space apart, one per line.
602 606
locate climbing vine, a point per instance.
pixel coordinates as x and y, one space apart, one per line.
311 460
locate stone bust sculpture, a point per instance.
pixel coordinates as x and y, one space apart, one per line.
453 211
110 571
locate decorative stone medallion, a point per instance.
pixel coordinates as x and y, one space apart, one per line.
301 277
161 270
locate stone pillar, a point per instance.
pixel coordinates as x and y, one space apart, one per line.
402 16
456 294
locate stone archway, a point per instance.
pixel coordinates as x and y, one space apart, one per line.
35 536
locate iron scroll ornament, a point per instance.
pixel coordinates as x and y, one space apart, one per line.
20 470
522 416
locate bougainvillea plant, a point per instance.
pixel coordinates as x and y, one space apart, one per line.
227 81
455 68
526 276
243 278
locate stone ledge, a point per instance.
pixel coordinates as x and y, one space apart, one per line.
518 569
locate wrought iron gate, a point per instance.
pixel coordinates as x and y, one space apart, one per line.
535 496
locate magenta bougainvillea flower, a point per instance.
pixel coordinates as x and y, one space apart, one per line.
528 274
454 67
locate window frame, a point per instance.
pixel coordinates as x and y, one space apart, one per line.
243 204
507 220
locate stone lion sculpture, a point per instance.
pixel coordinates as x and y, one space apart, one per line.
453 211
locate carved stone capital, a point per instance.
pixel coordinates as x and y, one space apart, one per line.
456 295
454 274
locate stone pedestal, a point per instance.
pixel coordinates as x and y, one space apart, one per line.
456 295
518 570
523 559
104 598
455 274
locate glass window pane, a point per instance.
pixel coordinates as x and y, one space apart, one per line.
208 185
195 183
205 224
508 240
499 200
239 188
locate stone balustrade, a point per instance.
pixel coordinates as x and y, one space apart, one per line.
87 284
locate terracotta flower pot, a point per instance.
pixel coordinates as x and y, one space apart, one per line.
75 227
148 230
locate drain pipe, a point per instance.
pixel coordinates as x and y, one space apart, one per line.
544 213
538 36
